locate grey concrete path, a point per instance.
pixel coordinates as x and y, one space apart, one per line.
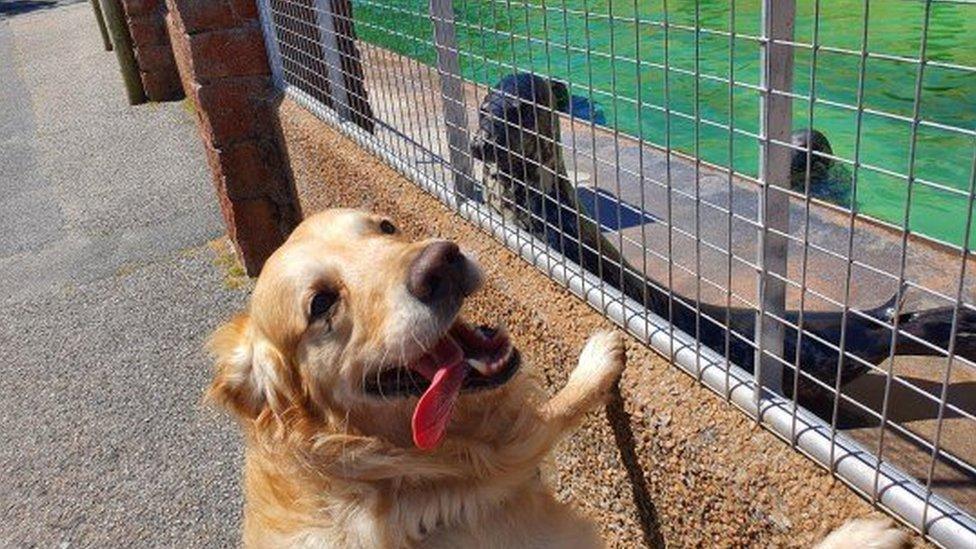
108 291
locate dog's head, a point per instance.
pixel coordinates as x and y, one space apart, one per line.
517 119
351 319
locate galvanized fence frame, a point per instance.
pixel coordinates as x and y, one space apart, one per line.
449 175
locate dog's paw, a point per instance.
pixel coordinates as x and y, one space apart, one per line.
600 363
866 533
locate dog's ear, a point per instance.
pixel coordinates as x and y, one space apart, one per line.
251 374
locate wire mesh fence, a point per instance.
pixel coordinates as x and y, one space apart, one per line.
777 195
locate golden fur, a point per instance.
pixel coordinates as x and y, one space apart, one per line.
328 465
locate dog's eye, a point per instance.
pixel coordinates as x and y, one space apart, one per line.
322 303
387 227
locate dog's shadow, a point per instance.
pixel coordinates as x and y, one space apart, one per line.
624 437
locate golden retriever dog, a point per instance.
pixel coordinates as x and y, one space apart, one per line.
375 416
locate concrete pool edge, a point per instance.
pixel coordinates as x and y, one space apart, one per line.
932 268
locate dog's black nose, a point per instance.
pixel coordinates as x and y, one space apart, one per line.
436 272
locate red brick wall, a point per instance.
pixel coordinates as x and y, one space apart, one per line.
219 51
150 42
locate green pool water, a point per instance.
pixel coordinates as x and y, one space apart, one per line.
578 41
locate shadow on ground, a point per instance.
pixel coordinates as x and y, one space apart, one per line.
19 7
623 435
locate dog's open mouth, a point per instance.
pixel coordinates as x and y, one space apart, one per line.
465 359
484 355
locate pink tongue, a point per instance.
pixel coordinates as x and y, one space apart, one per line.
445 368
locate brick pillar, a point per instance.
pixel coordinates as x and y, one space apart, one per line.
222 62
150 43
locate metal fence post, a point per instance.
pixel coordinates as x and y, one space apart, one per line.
452 94
354 79
777 118
345 73
271 43
333 59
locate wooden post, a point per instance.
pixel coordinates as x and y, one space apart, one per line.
119 30
774 208
100 19
452 94
329 40
352 66
337 36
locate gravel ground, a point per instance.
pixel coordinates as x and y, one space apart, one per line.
667 462
109 290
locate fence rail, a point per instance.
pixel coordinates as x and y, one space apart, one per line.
659 159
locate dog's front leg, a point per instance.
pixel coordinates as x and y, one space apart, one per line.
600 365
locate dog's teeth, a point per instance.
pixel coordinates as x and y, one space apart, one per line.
497 365
482 368
506 355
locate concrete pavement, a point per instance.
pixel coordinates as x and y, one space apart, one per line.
108 290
